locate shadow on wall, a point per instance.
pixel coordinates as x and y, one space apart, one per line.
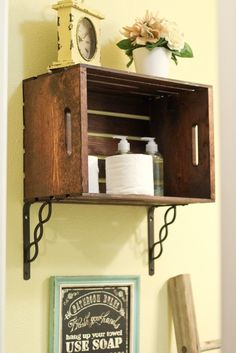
83 232
39 47
113 57
15 178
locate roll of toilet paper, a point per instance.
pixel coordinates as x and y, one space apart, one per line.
129 174
93 171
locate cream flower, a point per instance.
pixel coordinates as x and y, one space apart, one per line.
171 33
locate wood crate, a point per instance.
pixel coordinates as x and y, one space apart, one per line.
103 103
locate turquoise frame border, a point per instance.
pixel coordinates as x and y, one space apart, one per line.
57 281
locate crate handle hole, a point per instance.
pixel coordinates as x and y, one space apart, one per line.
195 146
68 131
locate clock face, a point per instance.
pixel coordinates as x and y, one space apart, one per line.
86 38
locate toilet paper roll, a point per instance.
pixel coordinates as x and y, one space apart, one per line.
129 174
93 171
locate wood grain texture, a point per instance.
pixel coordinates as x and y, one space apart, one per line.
177 116
183 311
170 109
49 170
128 200
118 126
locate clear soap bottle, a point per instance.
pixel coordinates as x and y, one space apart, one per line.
158 165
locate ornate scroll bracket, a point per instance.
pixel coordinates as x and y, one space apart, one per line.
163 233
31 249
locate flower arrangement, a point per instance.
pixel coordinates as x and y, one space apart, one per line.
151 32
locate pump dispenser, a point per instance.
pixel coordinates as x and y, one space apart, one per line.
123 145
129 173
152 149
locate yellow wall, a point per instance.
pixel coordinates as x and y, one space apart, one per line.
100 240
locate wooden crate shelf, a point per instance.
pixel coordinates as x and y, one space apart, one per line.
105 102
101 103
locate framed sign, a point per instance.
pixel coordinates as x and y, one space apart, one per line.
94 314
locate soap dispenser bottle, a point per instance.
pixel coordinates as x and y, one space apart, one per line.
123 145
158 169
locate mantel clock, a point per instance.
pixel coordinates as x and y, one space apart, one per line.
78 34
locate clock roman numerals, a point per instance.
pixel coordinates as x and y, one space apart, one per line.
86 38
71 17
58 41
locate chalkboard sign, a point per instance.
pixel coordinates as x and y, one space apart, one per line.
94 314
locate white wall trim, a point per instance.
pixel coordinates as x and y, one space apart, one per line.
3 162
227 71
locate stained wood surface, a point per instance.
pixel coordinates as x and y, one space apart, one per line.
104 103
48 169
132 200
172 121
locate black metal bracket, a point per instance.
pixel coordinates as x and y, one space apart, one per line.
28 246
163 233
31 248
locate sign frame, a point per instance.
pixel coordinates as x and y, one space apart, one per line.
81 304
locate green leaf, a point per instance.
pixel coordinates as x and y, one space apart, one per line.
130 62
162 42
173 57
124 44
128 52
186 52
129 46
150 46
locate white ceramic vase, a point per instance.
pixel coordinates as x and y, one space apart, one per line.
152 62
